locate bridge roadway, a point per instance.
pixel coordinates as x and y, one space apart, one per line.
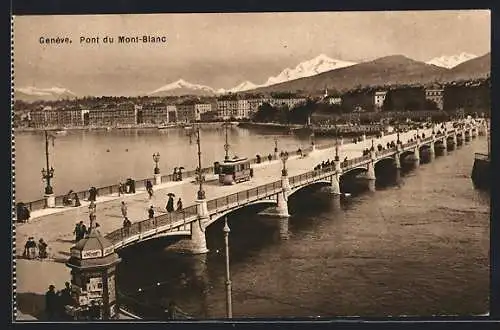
56 226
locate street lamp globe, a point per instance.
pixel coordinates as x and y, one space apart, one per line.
156 159
284 158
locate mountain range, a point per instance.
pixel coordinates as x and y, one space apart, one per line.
451 61
320 72
389 70
31 94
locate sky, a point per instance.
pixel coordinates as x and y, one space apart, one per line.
223 50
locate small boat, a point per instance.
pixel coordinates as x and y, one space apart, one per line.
61 132
164 126
188 127
480 175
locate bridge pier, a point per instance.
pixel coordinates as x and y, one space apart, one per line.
335 180
397 157
281 208
416 152
282 205
432 150
284 233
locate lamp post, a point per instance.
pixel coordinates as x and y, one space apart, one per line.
284 158
156 159
201 192
337 149
226 145
92 214
373 147
47 173
229 304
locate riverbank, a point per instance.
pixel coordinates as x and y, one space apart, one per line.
122 127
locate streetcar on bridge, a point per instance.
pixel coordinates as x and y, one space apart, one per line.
232 171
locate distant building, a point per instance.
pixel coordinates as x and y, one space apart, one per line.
171 113
289 102
379 99
200 109
237 109
436 95
50 117
155 113
186 112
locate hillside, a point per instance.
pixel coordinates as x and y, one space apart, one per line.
388 70
478 67
31 94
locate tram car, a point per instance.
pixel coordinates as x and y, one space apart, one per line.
233 171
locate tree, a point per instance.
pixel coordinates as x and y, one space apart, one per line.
264 113
301 113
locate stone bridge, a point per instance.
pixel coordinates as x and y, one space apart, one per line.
192 222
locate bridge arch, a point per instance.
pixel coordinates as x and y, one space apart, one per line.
406 153
354 171
322 182
263 203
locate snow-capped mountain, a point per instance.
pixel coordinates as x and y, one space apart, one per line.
451 61
319 64
182 87
32 93
244 86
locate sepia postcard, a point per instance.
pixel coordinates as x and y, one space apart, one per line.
205 166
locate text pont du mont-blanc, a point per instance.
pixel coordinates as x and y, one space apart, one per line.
95 40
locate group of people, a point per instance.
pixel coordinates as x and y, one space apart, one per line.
55 302
177 174
170 204
32 250
81 231
71 199
23 212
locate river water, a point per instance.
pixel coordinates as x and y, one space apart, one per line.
85 158
416 246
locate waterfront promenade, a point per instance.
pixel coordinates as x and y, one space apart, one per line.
56 225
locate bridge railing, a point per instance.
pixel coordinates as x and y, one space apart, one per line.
150 224
36 205
427 139
385 152
190 212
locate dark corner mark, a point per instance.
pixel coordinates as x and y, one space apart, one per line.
33 7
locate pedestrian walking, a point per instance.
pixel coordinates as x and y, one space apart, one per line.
79 231
42 249
124 209
120 189
51 303
179 205
30 248
77 200
151 212
149 188
126 226
170 204
65 295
